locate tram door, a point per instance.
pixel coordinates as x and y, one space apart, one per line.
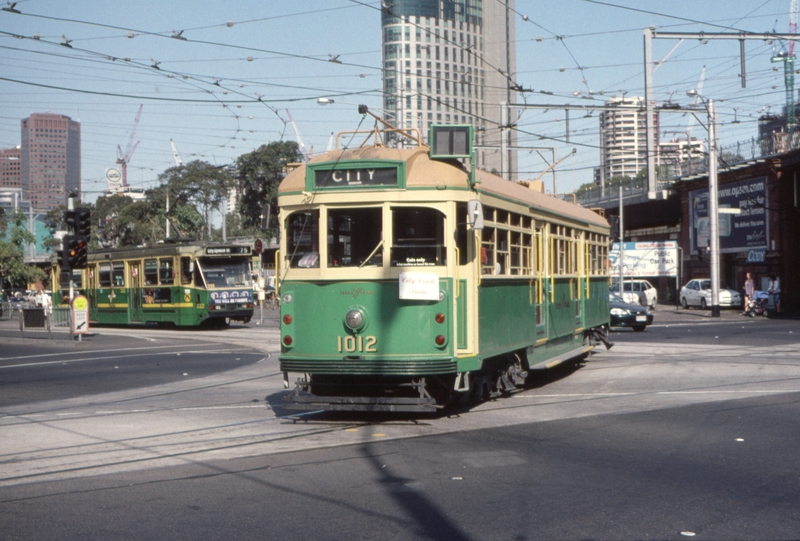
466 292
135 291
91 290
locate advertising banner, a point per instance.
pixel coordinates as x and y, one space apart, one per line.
737 232
646 259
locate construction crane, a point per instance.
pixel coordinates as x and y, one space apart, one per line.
177 156
123 158
787 57
300 142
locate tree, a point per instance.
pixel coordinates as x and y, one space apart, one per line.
197 186
15 237
260 172
109 229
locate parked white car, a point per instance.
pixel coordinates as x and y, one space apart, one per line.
638 292
698 293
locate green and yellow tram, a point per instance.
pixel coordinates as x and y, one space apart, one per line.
408 283
183 284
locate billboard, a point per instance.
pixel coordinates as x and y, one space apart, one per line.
646 259
737 232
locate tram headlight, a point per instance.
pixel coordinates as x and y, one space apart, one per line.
287 298
354 319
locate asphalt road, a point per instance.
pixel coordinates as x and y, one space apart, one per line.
38 370
685 430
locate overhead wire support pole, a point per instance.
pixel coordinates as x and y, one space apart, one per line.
713 210
652 185
650 34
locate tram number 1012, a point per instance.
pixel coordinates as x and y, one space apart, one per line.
352 344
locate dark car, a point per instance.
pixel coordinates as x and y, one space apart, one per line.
624 314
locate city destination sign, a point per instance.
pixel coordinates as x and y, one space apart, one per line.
337 178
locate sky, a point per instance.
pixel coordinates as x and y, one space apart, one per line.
221 78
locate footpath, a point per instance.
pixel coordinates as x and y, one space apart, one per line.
667 313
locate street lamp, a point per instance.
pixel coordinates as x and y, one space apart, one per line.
713 206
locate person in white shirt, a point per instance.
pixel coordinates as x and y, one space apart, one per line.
775 290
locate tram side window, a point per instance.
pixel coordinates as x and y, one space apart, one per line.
118 274
186 270
165 271
354 237
302 229
418 237
150 272
105 275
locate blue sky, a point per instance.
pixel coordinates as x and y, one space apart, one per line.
226 88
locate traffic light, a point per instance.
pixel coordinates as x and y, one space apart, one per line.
614 222
83 221
70 220
76 252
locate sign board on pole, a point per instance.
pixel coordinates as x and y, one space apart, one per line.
646 259
114 178
259 246
80 315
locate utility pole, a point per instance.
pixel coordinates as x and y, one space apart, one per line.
713 208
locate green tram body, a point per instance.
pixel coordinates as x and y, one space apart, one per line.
392 302
186 285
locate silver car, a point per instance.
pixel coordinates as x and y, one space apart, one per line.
698 293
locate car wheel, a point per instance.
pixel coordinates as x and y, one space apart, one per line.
639 328
684 304
702 304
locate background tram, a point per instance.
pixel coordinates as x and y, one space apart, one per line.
408 284
182 284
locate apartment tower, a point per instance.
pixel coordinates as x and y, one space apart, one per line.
623 137
451 62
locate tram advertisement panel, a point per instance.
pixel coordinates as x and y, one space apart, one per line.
737 232
229 297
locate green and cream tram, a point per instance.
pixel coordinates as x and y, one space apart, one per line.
408 282
181 284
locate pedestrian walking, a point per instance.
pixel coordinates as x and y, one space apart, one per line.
774 289
749 288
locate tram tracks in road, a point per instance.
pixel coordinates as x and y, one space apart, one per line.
209 419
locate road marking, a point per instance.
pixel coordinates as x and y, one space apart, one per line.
113 357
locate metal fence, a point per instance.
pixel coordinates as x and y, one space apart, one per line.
670 172
61 317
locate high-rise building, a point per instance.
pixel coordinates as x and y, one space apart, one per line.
450 62
11 167
623 137
51 159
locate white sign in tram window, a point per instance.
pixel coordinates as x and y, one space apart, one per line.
422 286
